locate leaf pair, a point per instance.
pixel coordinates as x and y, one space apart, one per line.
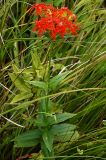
60 132
54 132
53 84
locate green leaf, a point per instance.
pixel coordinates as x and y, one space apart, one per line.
28 135
19 82
57 2
21 96
48 139
37 66
39 84
28 139
36 63
63 132
28 143
56 81
60 117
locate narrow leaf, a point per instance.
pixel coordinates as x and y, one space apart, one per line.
35 59
28 143
32 134
21 96
60 117
56 81
28 139
19 82
39 84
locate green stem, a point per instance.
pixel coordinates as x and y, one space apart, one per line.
45 150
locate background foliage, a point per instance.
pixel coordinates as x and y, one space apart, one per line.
82 91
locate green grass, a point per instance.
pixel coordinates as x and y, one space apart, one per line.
82 91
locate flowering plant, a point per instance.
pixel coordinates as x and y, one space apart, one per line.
49 122
54 21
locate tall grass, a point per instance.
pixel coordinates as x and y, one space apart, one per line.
82 91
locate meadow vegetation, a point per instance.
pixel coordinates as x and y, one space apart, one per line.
52 93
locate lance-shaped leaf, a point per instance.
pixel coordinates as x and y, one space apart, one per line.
28 139
56 81
36 63
60 117
19 82
21 96
63 132
39 84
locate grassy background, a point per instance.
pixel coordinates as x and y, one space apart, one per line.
83 91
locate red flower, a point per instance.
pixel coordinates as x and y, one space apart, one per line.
54 21
43 25
42 9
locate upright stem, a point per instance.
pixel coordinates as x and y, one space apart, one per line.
48 74
45 150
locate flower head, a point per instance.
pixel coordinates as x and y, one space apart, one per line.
54 21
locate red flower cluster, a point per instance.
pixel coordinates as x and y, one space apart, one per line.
55 21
